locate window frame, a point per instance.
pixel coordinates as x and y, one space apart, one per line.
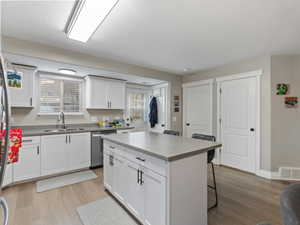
55 76
146 92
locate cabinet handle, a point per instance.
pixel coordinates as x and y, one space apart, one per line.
69 138
141 179
138 158
112 147
38 149
138 176
111 160
66 139
31 101
108 104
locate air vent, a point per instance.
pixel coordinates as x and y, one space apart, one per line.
292 173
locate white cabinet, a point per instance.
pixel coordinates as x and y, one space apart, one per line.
78 150
65 152
22 96
104 93
116 95
155 198
29 164
108 173
135 195
139 188
53 154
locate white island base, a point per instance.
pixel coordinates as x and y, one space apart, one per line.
157 191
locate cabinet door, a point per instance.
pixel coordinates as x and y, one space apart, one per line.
79 150
8 176
135 193
108 171
155 198
29 164
116 95
96 93
22 96
120 178
53 154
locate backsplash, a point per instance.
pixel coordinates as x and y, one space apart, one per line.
29 116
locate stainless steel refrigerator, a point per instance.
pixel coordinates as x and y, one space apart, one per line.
4 137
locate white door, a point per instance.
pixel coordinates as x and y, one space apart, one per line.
29 164
79 150
198 109
53 154
155 198
135 194
238 105
116 95
108 171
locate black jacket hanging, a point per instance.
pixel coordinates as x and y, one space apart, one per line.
153 116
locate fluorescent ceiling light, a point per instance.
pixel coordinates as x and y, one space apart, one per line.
87 17
67 71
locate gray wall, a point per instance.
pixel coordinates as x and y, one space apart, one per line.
285 121
20 47
263 62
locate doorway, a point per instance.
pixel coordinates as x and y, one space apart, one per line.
239 120
197 107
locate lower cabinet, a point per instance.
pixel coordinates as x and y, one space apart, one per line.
29 164
78 151
142 191
65 152
54 154
135 195
155 198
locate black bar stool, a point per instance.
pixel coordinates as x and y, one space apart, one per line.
210 157
172 132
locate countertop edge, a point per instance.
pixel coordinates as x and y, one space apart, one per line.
171 158
72 132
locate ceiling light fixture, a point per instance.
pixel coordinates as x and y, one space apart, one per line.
67 71
87 16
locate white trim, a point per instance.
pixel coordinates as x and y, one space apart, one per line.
240 75
195 84
256 74
264 173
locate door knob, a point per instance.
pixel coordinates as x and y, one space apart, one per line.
187 124
252 129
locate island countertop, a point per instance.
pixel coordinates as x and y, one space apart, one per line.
163 146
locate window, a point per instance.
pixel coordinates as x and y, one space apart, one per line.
137 105
60 94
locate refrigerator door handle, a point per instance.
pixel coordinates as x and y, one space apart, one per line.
4 206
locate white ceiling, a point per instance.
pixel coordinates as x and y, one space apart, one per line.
167 35
51 66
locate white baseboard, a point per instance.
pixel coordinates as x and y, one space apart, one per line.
264 173
274 175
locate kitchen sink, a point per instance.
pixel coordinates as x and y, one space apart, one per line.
54 130
64 130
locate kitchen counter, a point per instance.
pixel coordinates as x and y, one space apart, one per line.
40 130
163 146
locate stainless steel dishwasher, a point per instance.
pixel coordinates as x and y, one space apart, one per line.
97 147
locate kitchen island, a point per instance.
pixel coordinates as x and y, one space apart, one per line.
161 179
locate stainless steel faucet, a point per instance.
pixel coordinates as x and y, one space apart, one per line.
61 117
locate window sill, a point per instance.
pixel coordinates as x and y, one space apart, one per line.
56 114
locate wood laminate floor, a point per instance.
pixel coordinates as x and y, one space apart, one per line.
244 199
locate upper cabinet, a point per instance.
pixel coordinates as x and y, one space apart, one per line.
104 93
21 86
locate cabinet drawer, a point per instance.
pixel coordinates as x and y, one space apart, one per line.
31 140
